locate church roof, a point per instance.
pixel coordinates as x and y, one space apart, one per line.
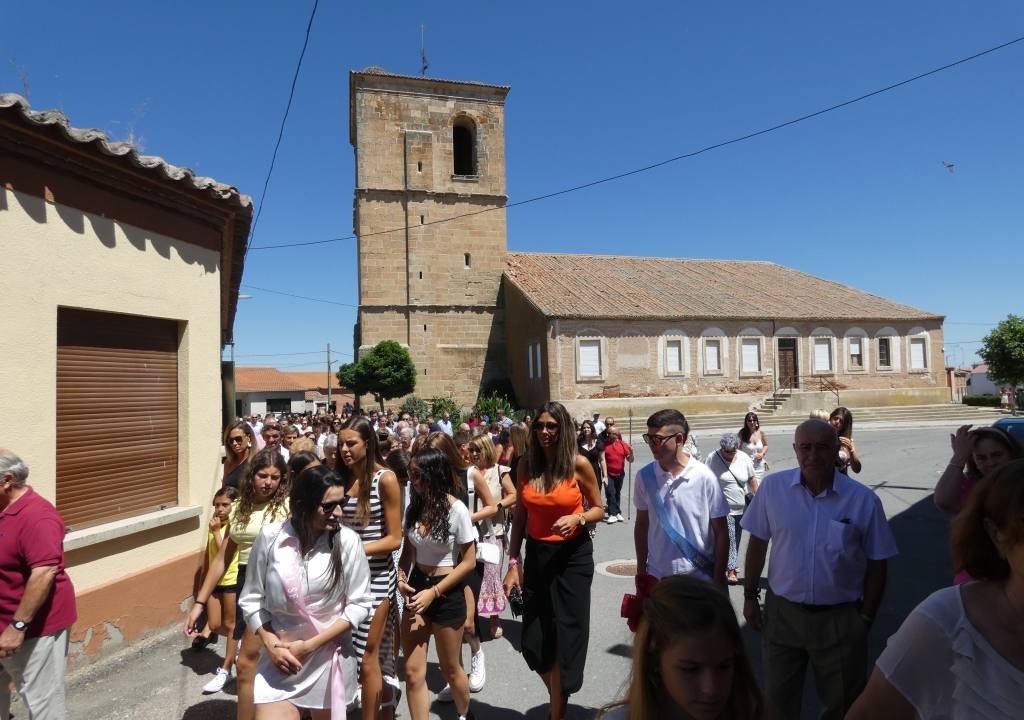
620 287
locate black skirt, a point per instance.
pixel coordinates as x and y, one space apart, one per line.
556 620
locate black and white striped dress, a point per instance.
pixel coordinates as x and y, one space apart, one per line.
383 575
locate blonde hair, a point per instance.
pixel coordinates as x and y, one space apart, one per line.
519 435
680 607
819 414
486 447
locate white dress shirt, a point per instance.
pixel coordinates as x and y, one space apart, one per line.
820 543
692 499
264 600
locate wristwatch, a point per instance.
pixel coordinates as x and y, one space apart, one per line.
19 625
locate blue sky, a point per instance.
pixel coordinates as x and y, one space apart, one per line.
859 196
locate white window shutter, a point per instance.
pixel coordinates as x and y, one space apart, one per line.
822 354
529 360
590 358
751 356
674 356
712 356
917 356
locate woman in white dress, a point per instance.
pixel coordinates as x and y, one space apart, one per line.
960 653
754 443
308 585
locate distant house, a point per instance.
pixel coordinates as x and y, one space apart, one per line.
121 276
316 391
979 382
262 390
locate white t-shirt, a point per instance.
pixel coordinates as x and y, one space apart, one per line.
946 669
442 554
733 478
692 499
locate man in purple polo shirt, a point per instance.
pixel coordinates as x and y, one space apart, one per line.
37 600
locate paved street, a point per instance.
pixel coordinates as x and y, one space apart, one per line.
162 681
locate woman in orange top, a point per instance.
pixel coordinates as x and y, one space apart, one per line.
554 483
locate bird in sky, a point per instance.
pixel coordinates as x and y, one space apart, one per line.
949 166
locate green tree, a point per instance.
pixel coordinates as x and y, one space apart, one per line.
1003 350
386 372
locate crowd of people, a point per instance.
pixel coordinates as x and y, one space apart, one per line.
340 547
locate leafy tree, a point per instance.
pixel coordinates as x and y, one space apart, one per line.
386 372
1003 350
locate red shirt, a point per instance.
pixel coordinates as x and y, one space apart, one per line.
615 456
31 536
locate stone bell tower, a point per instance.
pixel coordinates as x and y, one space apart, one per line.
428 150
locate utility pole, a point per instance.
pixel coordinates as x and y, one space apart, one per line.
328 408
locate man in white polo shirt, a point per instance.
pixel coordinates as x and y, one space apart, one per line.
681 511
830 546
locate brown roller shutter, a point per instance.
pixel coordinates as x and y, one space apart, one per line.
117 415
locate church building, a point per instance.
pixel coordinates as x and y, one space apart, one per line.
595 332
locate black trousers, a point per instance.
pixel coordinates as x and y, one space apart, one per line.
556 621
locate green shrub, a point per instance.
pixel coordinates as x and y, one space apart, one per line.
415 406
488 405
981 400
439 404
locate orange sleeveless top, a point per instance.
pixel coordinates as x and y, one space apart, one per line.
543 509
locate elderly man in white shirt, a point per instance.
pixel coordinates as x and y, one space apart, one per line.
830 546
681 511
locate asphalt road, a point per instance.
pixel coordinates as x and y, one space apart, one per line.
161 679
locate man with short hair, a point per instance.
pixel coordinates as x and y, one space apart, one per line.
445 423
681 510
830 547
272 438
37 599
506 422
599 427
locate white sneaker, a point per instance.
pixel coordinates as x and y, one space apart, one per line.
620 518
611 519
220 677
445 694
477 672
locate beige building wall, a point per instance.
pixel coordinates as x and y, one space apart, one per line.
633 355
434 287
64 257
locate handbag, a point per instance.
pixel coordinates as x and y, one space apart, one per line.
488 552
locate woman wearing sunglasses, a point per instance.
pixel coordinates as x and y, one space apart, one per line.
262 499
239 444
554 481
308 587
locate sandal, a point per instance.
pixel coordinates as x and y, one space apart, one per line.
731 578
497 633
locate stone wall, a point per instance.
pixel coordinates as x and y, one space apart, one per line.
432 286
633 357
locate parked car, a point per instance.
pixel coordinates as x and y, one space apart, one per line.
1014 426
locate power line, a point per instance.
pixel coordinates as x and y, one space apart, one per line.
300 297
684 156
311 352
280 132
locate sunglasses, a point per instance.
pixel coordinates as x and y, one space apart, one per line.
657 440
328 507
236 439
550 426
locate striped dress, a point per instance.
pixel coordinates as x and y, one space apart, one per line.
383 575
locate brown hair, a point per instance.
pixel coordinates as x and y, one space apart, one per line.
245 428
361 426
276 510
440 441
997 435
680 607
542 477
486 447
998 499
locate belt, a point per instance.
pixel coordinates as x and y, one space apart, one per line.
822 608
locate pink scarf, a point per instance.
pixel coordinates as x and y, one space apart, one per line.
293 590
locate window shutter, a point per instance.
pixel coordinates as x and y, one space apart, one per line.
822 354
674 356
590 358
712 356
536 361
117 415
917 356
529 361
751 357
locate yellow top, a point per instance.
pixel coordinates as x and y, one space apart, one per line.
230 576
245 535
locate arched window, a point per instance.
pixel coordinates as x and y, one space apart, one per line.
463 147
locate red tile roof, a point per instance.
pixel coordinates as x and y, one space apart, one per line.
264 379
315 379
621 287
